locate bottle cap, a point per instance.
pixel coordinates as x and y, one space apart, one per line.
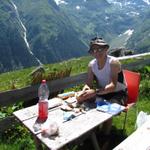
43 81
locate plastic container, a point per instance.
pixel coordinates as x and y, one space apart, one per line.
43 94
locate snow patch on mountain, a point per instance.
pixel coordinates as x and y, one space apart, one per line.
127 2
60 2
110 1
78 7
114 2
117 3
128 32
147 1
133 13
106 18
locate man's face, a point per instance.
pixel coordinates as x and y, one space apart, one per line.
96 51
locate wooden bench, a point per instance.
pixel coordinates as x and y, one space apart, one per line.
138 140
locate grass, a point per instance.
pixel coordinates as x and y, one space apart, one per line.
21 78
20 139
22 144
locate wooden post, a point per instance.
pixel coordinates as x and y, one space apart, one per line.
94 141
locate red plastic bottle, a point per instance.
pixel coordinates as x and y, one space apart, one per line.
43 93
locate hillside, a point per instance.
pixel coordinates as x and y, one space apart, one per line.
141 37
12 42
110 19
50 32
42 32
36 32
22 78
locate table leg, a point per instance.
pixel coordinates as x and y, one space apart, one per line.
38 144
94 141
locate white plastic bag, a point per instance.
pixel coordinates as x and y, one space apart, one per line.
142 118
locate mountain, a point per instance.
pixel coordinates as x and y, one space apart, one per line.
141 37
46 31
112 20
139 11
50 32
13 49
97 17
87 16
34 33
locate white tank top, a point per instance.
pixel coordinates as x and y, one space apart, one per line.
104 75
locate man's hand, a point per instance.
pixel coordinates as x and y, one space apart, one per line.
85 95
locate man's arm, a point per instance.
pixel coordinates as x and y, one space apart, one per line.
89 81
87 91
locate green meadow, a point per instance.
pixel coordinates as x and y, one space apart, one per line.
19 138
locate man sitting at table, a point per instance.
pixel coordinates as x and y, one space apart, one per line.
109 78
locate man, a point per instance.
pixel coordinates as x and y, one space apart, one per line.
109 78
107 72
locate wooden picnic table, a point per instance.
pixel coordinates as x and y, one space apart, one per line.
69 131
138 140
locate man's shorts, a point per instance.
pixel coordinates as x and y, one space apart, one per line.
116 97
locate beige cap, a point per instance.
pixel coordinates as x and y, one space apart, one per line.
98 41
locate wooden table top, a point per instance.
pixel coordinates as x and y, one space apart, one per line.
68 130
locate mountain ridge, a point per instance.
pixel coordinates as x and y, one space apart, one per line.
48 32
113 20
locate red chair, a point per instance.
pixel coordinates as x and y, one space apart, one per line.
132 80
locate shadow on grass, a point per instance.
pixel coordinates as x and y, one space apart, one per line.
116 137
